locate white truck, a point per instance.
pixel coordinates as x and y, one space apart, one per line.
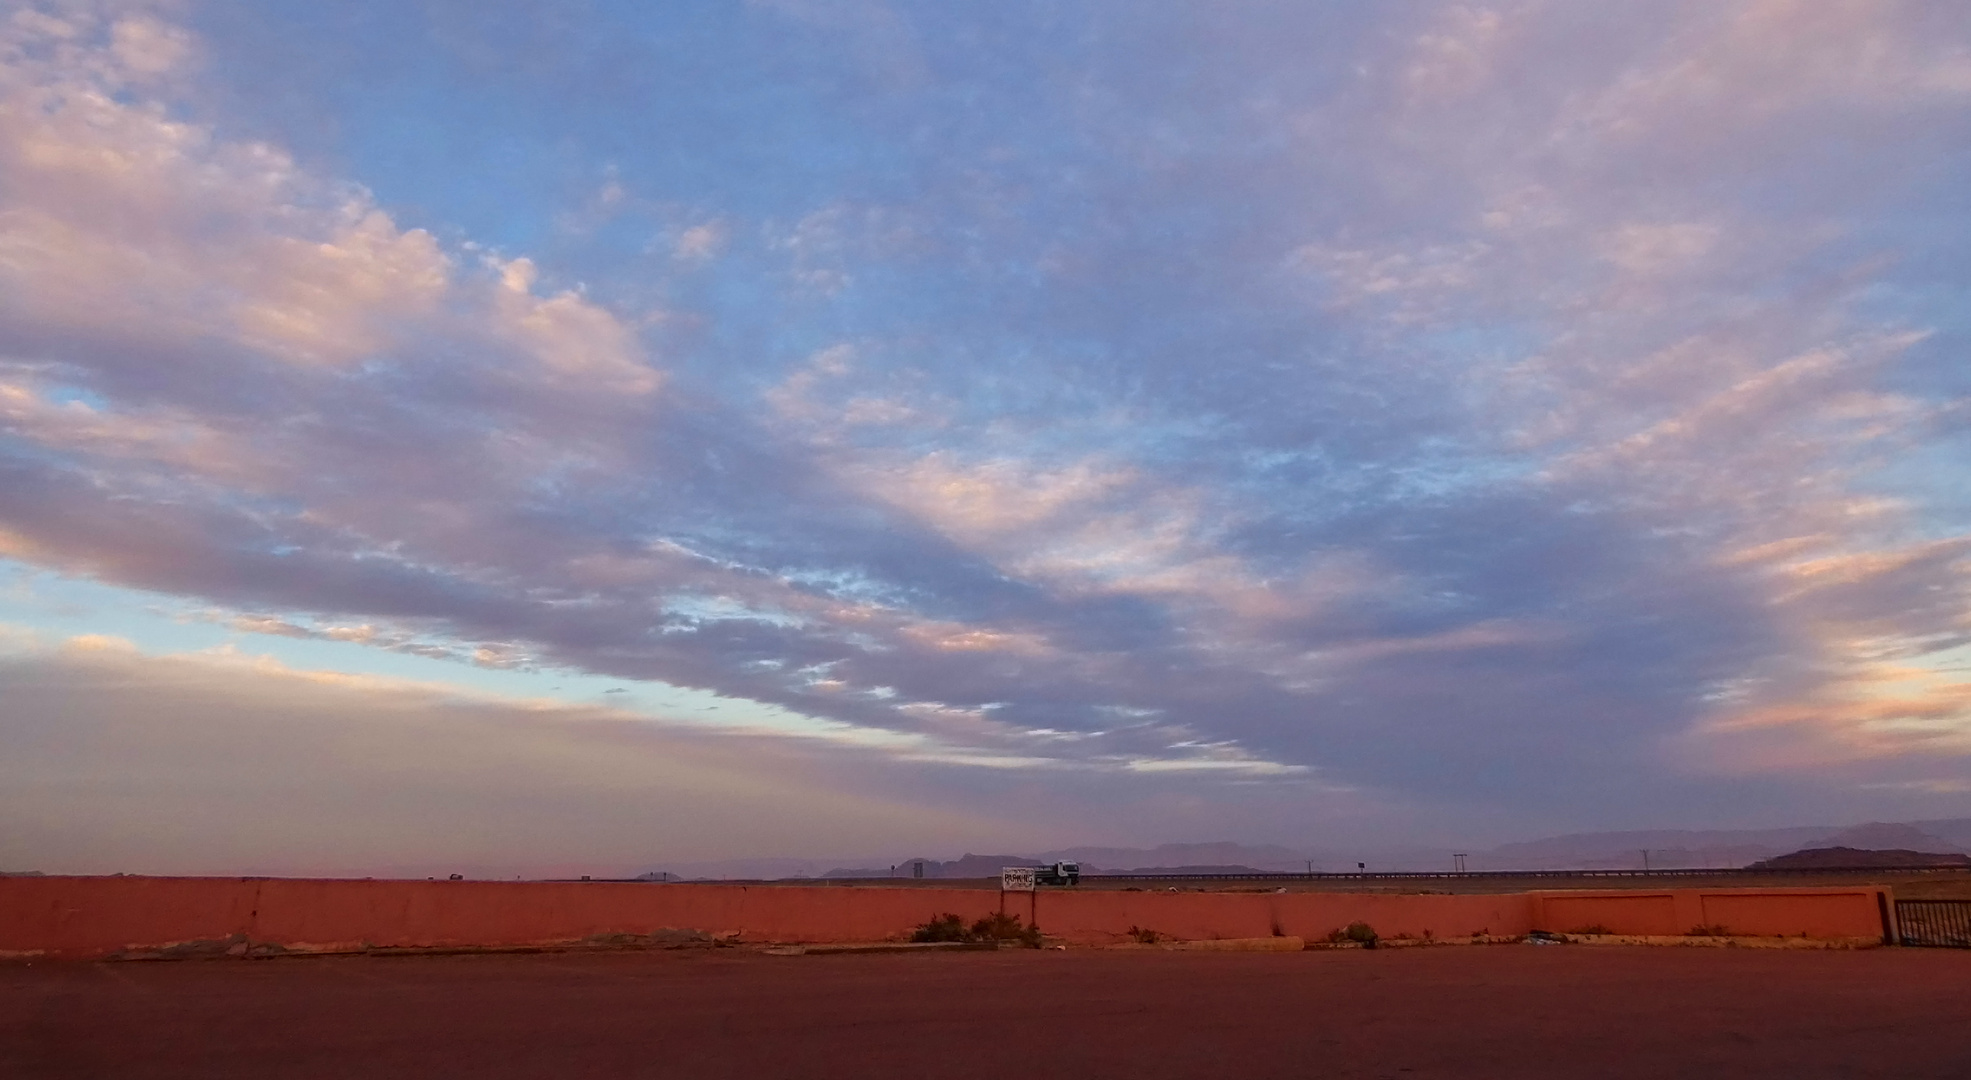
1060 873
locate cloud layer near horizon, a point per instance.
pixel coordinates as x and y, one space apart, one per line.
1536 411
224 763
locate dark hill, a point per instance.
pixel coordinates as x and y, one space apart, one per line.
1847 858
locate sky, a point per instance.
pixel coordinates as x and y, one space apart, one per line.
589 434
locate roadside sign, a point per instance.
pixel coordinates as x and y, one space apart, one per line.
1016 879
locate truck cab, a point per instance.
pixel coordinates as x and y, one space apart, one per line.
1060 873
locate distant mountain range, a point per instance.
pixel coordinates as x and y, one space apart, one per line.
1680 849
1666 849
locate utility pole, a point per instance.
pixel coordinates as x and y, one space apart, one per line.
1458 862
1645 852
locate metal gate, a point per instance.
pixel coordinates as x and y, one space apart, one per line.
1942 923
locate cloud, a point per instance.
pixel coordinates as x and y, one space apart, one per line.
117 761
1486 408
700 242
120 762
129 228
123 221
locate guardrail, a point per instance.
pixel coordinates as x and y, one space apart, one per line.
1942 924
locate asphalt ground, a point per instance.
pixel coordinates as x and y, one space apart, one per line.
1446 1011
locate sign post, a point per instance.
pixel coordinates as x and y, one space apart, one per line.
1015 879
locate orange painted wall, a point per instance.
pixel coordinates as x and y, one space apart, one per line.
91 917
84 917
1832 914
1850 912
417 913
1097 917
1633 913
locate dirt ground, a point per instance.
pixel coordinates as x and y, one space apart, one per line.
1934 887
1467 1011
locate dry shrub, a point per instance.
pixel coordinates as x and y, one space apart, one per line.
1359 932
995 928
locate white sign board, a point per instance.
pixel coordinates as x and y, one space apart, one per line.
1016 879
